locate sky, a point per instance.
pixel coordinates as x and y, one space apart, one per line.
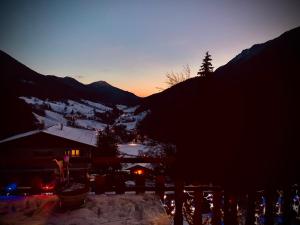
132 44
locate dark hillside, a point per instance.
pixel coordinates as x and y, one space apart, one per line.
240 124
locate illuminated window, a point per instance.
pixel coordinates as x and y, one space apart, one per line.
139 172
75 152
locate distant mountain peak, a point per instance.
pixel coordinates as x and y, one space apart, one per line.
100 83
19 79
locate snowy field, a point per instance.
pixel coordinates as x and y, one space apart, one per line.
90 124
127 209
59 112
132 149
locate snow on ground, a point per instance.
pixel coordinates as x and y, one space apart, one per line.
97 105
130 125
86 108
81 108
132 149
73 107
32 100
130 109
56 110
99 209
46 121
121 107
129 120
59 107
56 117
90 124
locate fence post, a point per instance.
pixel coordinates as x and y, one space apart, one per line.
269 215
198 198
230 208
250 217
287 205
140 184
179 185
160 186
100 184
216 220
120 184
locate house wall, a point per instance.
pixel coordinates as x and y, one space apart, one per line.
39 150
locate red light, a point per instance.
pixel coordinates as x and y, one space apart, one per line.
48 187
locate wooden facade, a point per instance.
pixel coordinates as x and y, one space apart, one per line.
33 155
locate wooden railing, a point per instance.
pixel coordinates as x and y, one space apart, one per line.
224 201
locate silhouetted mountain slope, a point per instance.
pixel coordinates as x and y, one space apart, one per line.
26 82
15 116
239 126
113 94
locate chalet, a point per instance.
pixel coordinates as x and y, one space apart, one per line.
139 168
36 150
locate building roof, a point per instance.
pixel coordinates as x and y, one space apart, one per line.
17 136
134 165
87 137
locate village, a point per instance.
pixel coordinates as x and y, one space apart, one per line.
64 152
149 112
65 163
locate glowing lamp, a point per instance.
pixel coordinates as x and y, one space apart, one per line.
48 187
11 187
139 172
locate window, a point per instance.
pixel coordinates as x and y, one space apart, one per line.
75 153
139 172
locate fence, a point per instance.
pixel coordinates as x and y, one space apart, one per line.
224 201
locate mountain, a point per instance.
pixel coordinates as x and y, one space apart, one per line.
113 94
26 82
239 126
17 80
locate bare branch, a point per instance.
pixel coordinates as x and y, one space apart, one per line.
175 78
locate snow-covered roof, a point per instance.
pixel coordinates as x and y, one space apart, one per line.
17 136
88 137
78 135
132 165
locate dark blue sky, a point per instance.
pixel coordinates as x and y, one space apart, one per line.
132 44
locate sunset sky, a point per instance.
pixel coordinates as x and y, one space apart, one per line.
132 44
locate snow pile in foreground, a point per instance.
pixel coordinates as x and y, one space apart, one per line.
98 209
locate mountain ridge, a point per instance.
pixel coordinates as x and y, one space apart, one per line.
28 82
245 114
